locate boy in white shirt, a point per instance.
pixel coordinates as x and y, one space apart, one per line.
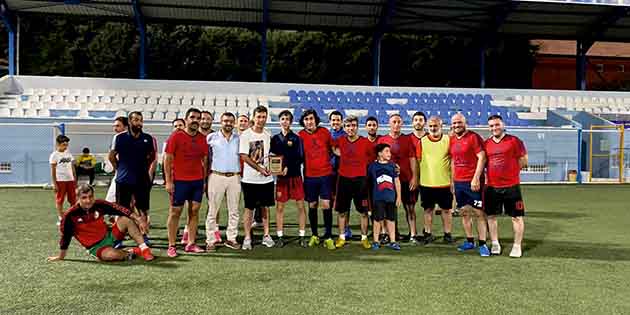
63 175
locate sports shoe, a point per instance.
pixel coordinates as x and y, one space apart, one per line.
268 241
280 242
185 238
147 240
171 252
466 246
428 239
413 240
375 245
496 249
394 246
456 212
256 225
484 251
147 255
448 239
217 237
419 238
314 241
210 247
193 248
247 244
384 239
58 221
118 244
232 244
366 244
330 244
348 232
516 251
302 242
340 243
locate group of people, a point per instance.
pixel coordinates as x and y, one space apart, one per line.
321 169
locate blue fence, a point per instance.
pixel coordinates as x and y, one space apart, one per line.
24 152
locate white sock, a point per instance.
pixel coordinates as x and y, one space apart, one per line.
516 246
363 237
143 246
302 233
342 236
280 233
495 242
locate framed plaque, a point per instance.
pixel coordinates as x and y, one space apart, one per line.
275 165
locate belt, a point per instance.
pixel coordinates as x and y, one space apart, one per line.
228 174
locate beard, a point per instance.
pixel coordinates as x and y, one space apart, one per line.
136 129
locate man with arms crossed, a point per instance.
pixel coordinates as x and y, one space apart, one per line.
467 162
185 167
506 157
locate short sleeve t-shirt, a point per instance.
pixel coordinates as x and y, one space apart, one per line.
86 160
317 149
189 153
503 169
355 156
134 157
464 152
256 146
64 161
383 180
402 150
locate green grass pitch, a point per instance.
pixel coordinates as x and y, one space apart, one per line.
576 261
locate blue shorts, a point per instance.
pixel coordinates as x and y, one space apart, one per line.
465 196
186 190
316 188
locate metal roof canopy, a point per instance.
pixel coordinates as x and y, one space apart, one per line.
484 20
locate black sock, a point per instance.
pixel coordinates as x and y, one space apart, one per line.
425 233
312 219
447 234
328 221
470 239
481 243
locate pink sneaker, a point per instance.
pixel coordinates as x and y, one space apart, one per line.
185 238
171 252
217 237
193 248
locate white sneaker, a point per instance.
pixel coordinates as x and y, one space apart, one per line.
268 241
58 221
516 251
247 244
496 249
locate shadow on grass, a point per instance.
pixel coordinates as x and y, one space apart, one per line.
158 262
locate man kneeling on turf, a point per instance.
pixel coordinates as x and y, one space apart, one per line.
85 221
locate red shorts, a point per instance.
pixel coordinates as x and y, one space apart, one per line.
289 188
66 189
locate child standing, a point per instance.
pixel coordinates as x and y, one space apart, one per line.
63 175
385 195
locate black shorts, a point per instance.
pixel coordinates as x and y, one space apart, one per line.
349 190
508 198
258 196
408 197
441 196
186 190
140 192
384 211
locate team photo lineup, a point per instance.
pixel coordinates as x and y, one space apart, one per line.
320 170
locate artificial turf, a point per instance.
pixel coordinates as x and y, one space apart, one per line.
576 261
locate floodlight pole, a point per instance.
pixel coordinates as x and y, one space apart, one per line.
582 48
381 27
263 44
7 18
142 30
482 66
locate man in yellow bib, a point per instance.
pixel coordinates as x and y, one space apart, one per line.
435 179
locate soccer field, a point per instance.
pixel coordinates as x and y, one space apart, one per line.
576 261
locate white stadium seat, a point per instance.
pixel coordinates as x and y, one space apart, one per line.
5 112
170 116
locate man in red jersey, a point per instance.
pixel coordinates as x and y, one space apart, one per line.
418 122
506 157
354 154
404 155
317 143
86 222
467 161
185 169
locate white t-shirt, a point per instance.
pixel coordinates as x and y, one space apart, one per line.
64 161
256 145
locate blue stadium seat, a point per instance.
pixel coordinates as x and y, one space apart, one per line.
301 95
383 117
404 115
405 95
293 98
369 98
321 96
396 95
311 97
387 95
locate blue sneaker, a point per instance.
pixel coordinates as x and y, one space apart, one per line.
348 232
376 246
484 251
118 244
147 241
466 246
394 246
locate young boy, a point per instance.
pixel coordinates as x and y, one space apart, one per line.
63 175
386 196
290 184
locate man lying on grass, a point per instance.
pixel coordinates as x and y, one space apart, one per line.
85 221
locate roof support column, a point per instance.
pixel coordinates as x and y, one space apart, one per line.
263 46
386 14
9 24
142 30
482 66
582 48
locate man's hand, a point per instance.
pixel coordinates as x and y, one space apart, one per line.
285 171
413 184
142 225
398 202
397 169
55 188
475 185
263 171
54 258
169 187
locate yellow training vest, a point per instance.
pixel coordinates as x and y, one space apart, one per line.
435 163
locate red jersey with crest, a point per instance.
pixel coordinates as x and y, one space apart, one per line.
402 150
503 168
355 156
463 153
317 148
